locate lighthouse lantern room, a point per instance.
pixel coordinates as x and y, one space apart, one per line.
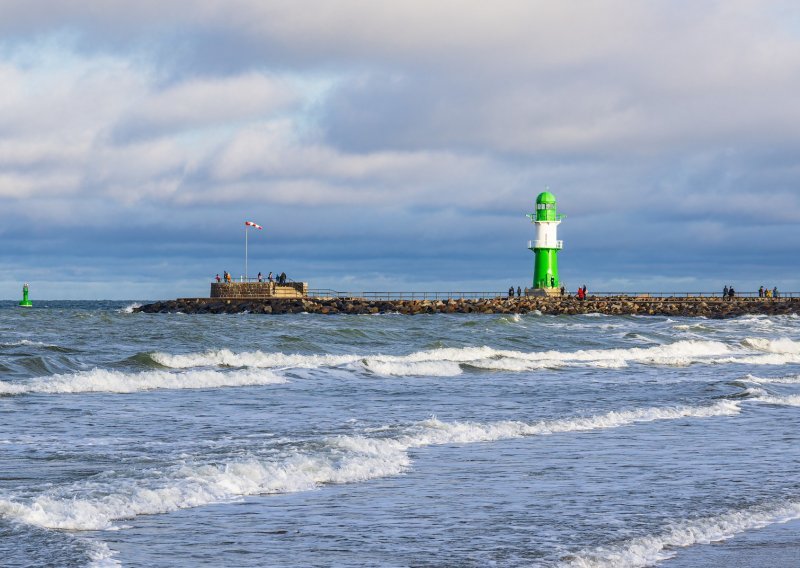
546 245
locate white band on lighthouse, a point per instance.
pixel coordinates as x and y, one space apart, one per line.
546 234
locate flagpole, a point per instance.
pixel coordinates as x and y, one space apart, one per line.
245 252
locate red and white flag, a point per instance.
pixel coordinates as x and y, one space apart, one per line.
251 224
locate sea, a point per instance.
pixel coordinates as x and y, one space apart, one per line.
149 440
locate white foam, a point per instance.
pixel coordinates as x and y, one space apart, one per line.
101 380
435 432
101 556
773 359
783 345
421 368
227 358
94 505
795 379
129 309
649 550
786 400
26 342
446 361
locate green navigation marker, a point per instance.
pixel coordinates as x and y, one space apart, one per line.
25 302
546 245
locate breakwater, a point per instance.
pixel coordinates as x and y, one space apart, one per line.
715 308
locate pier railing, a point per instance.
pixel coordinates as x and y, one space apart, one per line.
393 296
396 296
691 295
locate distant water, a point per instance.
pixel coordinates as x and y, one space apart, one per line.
445 440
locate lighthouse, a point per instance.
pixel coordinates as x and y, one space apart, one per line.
546 245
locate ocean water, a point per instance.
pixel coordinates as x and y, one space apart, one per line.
445 440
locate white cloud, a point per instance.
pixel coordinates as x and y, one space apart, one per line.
631 111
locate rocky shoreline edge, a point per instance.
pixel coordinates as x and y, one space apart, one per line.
714 308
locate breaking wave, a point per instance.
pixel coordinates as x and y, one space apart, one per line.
782 346
449 361
129 309
648 550
101 556
762 395
26 342
101 380
96 504
795 379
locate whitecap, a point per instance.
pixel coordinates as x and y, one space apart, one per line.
96 505
783 346
794 379
651 549
443 361
102 380
129 308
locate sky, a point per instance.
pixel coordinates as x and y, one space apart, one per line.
396 146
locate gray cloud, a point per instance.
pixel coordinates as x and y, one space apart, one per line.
400 143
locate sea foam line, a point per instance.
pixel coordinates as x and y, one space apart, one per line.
793 379
95 505
759 394
651 549
102 380
449 361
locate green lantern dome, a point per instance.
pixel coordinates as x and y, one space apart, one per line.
546 207
545 197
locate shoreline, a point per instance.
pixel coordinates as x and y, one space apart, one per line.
712 308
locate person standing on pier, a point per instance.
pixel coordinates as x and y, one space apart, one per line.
725 293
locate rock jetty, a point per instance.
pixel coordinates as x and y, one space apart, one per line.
714 308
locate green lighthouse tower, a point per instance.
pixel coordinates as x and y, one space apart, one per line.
546 245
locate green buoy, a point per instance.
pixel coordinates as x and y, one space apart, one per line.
25 302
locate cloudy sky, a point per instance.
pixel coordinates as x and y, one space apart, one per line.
396 146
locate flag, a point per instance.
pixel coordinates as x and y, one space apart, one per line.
251 224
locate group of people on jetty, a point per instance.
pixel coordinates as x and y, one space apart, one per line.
226 277
728 293
581 294
767 293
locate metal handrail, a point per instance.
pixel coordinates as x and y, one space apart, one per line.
684 296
